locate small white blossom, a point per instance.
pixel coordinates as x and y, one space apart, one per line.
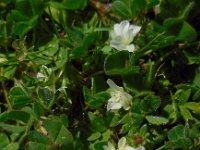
122 36
121 146
119 98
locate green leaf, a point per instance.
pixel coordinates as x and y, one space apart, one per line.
98 123
144 130
177 132
17 16
181 143
173 8
196 80
187 33
112 119
184 96
40 59
64 137
35 136
4 140
12 128
14 115
98 84
150 103
19 97
120 8
86 43
9 71
97 99
128 8
117 64
196 95
22 27
132 119
157 120
38 111
172 25
195 131
30 81
125 128
134 85
94 136
191 58
12 146
45 95
70 4
178 137
22 5
40 146
194 106
37 6
185 113
57 131
50 48
62 57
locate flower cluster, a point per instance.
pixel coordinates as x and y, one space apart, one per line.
122 36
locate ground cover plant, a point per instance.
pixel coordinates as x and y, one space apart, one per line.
99 74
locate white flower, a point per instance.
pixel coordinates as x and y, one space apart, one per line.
122 35
121 146
119 98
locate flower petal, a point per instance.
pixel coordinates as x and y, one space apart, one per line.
117 29
113 34
112 85
110 146
124 26
130 47
122 142
126 100
127 37
129 148
113 106
136 29
140 148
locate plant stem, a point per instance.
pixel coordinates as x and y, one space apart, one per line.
28 127
6 96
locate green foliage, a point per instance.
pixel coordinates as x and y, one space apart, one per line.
128 8
56 59
116 64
